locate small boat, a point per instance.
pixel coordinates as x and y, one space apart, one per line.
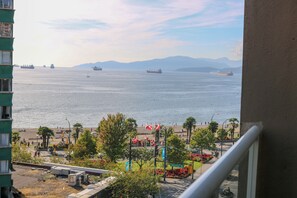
97 68
27 67
52 66
159 71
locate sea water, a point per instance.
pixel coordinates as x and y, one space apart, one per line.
46 97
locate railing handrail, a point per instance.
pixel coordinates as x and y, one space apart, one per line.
209 181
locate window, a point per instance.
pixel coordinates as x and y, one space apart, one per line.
5 84
4 139
5 112
4 166
5 58
6 4
6 30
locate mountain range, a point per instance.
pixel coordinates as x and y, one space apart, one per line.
173 63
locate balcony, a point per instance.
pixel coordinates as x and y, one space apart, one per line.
5 125
215 182
6 100
5 154
6 16
6 72
6 44
5 180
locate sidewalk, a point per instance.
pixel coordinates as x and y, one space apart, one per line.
174 187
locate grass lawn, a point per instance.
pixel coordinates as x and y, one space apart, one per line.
150 165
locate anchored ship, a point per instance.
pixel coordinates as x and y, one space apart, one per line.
97 68
159 71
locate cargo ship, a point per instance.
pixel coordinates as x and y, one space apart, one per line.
97 68
159 71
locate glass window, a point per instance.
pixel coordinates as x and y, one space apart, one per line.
5 58
5 112
4 166
5 85
7 4
5 30
4 139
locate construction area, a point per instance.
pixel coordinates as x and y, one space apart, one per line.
57 182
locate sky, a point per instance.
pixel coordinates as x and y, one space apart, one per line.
71 32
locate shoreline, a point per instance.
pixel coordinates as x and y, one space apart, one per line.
31 133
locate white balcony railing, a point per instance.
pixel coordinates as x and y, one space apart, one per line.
207 185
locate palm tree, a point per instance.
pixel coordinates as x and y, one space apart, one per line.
213 126
234 124
78 128
46 133
15 137
189 124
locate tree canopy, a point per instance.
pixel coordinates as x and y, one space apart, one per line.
176 150
213 126
234 124
15 137
78 128
85 146
203 139
189 125
46 133
141 156
134 184
113 136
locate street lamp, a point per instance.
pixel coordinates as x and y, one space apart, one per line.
213 116
69 132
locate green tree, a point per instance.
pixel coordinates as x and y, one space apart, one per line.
189 125
113 136
203 139
234 124
15 137
78 128
167 131
85 146
176 150
134 184
45 133
213 126
222 134
141 156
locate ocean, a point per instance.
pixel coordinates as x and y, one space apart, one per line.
46 97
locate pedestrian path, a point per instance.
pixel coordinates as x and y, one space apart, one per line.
175 187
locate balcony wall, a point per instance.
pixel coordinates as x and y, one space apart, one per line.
5 153
6 16
5 99
6 71
269 92
6 44
5 180
5 126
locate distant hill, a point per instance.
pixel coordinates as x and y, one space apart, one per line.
179 63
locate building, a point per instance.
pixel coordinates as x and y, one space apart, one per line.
6 68
269 97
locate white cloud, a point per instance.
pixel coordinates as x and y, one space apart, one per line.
69 32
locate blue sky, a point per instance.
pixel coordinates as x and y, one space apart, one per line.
71 32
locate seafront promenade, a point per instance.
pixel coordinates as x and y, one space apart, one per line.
30 134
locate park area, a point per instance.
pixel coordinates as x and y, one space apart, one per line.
144 154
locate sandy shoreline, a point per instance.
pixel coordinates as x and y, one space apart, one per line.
31 133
